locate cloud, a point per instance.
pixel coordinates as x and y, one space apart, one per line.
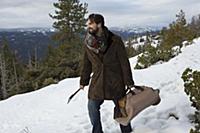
143 12
26 13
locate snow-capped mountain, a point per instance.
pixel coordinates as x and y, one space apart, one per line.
129 31
33 29
142 40
46 110
136 29
24 40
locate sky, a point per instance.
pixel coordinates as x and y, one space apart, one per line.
117 13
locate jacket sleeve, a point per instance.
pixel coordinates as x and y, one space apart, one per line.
124 62
85 70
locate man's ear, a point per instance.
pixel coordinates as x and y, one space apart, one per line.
99 25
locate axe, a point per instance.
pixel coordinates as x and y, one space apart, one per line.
70 98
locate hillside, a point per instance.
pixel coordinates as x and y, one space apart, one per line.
24 41
46 110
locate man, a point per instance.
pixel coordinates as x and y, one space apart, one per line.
106 57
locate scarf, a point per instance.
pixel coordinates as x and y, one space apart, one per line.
97 44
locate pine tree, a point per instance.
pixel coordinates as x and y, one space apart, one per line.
180 18
16 75
148 40
32 73
177 32
64 61
195 25
9 71
70 21
130 50
148 58
33 62
3 74
192 88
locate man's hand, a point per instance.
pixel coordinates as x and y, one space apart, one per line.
82 87
131 86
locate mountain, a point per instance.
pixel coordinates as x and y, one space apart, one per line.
46 110
33 29
25 40
128 31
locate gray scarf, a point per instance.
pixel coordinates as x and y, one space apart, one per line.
95 43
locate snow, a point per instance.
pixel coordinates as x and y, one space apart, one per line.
136 29
46 110
141 41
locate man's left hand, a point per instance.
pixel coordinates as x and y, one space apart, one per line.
131 86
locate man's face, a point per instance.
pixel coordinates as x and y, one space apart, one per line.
92 27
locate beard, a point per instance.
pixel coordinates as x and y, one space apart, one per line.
93 31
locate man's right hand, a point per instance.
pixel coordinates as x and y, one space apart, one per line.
82 87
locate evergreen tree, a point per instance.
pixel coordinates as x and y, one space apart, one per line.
148 40
10 71
64 61
180 18
195 25
148 58
177 32
32 72
172 37
130 50
3 75
192 88
70 21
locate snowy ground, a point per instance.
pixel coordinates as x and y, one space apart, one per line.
46 110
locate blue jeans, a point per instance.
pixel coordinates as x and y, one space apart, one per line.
95 119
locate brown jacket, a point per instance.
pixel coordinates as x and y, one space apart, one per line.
111 71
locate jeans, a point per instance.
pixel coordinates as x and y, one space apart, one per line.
95 119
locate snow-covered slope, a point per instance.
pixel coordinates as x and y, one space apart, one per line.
46 110
136 29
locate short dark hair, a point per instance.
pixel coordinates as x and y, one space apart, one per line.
97 18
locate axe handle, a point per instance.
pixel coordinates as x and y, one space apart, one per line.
73 95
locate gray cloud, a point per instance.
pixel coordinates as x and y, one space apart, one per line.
26 13
143 12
